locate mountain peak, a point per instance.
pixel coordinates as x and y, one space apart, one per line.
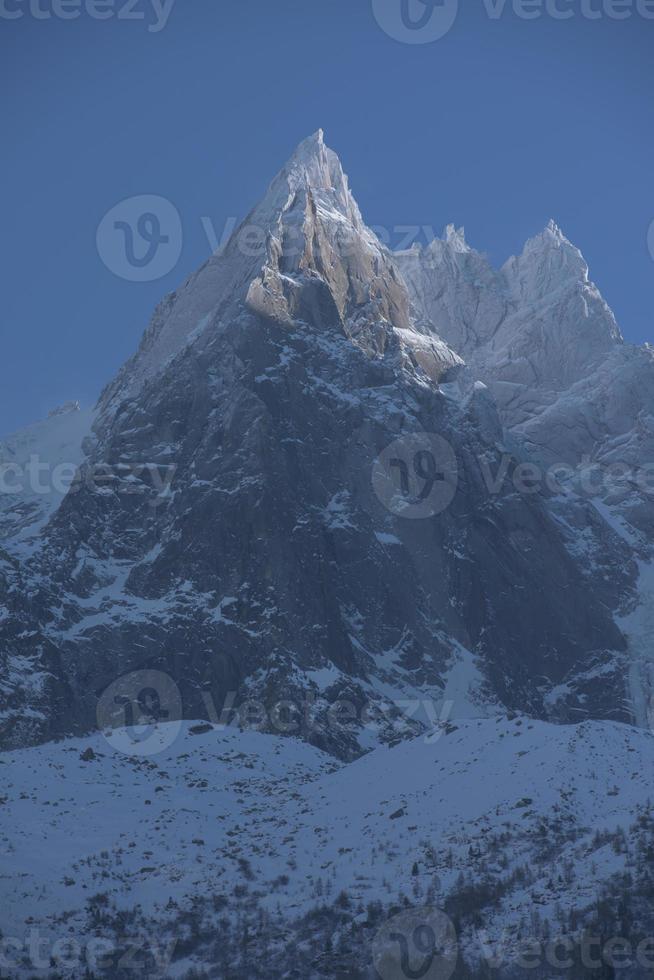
313 167
547 262
456 238
66 409
552 237
307 225
308 153
312 143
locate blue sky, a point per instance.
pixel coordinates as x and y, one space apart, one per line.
499 125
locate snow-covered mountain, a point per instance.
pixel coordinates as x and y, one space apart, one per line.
394 511
532 328
248 542
573 396
539 334
302 255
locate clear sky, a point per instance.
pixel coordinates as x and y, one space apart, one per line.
499 125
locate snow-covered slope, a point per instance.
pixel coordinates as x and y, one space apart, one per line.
220 811
37 468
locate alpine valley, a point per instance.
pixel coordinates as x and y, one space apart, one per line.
370 703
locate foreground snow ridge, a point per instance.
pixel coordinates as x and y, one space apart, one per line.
222 810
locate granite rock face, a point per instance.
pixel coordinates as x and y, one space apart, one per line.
573 398
539 334
307 489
